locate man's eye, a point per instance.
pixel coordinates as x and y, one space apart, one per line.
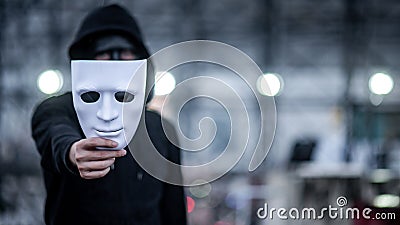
90 97
123 96
103 56
127 54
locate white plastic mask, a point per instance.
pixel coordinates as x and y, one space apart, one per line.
100 89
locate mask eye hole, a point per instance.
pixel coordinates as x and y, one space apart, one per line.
90 96
123 96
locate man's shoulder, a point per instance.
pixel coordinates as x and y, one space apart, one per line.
150 114
63 101
154 117
59 99
66 97
157 124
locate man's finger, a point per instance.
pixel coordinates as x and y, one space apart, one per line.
96 165
98 142
94 174
103 154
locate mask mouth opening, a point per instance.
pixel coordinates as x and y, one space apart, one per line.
108 133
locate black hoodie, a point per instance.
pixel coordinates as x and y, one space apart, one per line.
127 195
111 19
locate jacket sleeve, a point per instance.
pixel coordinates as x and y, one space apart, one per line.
173 202
55 129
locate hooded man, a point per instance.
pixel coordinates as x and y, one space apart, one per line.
81 187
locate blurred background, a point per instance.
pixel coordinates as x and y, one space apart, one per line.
333 68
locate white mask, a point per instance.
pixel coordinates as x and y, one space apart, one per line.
100 89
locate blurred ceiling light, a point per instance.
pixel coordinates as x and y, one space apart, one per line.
381 176
165 83
50 81
386 201
381 84
270 84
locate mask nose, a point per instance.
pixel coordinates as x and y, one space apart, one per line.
107 112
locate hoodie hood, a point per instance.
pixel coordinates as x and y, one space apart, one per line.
112 19
108 20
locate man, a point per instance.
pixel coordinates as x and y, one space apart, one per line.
81 186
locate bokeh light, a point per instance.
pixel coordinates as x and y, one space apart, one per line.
222 223
201 191
165 83
190 204
381 84
380 176
270 84
50 81
375 99
386 201
236 200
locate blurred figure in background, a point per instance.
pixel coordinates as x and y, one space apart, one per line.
81 187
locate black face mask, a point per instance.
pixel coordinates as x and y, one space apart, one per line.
113 45
114 54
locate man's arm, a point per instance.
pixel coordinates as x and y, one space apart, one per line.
55 129
59 140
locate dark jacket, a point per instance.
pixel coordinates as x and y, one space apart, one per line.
127 195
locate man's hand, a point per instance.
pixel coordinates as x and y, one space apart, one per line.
91 162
